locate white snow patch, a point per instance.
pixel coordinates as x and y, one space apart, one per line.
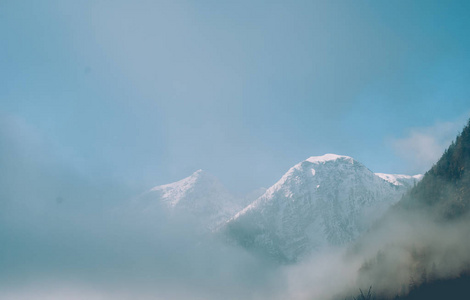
328 157
295 216
200 195
174 192
396 179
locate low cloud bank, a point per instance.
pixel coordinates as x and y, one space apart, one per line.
64 237
69 236
124 258
421 147
403 251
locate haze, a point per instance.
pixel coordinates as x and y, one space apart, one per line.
147 92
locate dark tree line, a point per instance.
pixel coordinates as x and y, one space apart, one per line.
444 192
455 288
445 188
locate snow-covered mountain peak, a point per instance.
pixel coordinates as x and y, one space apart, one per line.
201 196
398 179
328 165
199 173
172 193
329 157
322 201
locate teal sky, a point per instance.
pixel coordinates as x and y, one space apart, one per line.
146 92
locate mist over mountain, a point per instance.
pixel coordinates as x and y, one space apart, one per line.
200 196
339 226
175 150
445 188
422 244
418 249
323 201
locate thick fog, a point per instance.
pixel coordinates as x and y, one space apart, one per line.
116 255
65 236
402 251
101 100
69 237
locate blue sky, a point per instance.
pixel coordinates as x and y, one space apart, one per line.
146 92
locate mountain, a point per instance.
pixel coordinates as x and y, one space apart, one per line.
323 201
200 196
401 180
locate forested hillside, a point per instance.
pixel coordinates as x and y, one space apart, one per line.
445 188
421 247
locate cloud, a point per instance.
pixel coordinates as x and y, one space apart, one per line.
403 249
423 146
69 236
69 239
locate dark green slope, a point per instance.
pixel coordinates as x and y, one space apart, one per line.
442 201
445 188
443 289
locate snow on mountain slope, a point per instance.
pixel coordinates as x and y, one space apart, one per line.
200 196
324 200
397 179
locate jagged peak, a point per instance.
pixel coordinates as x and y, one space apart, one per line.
183 182
199 172
196 186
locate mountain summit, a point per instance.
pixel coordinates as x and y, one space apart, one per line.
323 201
200 195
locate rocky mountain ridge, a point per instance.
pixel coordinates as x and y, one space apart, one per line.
323 201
